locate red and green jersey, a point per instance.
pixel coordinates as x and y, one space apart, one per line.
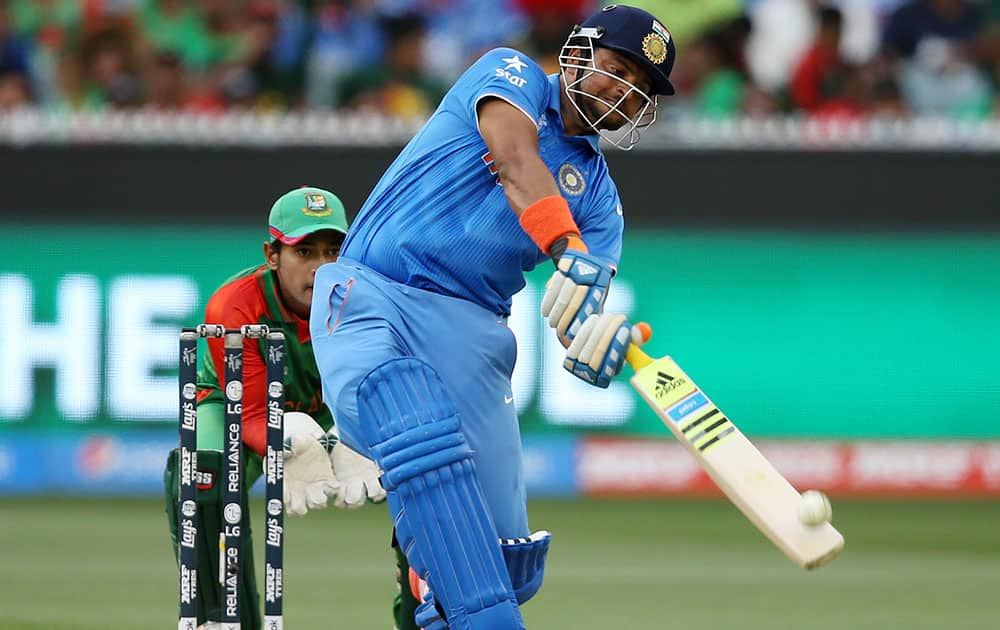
252 297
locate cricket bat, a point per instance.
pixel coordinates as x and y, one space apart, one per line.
731 460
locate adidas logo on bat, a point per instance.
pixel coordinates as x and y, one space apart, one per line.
665 383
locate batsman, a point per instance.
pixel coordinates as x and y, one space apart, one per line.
307 228
506 174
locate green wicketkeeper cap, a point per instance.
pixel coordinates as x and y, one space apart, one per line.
299 213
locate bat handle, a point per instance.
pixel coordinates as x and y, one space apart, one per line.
634 355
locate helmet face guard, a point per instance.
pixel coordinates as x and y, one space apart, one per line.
578 54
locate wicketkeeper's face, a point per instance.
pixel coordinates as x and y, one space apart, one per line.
296 266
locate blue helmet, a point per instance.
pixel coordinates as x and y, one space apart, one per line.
639 35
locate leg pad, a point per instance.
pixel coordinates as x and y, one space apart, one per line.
442 522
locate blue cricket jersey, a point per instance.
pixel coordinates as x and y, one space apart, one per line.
439 220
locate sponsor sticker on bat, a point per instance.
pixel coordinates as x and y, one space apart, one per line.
686 407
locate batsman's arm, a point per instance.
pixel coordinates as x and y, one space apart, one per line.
512 140
531 190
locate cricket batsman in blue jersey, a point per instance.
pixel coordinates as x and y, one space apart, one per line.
506 174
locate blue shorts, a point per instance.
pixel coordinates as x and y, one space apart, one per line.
360 319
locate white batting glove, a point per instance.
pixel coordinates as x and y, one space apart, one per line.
576 290
597 352
309 477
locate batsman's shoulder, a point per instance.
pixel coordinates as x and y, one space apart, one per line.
511 60
601 195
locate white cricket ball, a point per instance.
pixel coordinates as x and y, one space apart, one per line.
814 508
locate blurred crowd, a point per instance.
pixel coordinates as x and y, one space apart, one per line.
853 58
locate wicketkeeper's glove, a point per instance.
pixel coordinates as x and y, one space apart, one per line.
308 476
357 476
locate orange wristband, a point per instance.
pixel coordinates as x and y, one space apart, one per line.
548 220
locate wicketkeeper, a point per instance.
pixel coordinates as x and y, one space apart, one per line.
307 227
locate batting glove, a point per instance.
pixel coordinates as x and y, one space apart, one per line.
576 290
597 352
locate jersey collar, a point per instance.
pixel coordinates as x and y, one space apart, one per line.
555 105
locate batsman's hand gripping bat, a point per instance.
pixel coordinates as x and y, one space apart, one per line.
730 459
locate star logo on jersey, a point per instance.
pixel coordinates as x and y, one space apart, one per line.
512 63
515 63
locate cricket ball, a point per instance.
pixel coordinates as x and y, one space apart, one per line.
814 508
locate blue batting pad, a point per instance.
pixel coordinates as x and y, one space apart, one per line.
427 617
526 562
525 559
442 524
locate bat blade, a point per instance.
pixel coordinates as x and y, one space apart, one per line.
732 461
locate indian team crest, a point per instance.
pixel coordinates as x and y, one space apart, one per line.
316 205
655 48
571 180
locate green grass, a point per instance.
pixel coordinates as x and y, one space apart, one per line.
77 563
